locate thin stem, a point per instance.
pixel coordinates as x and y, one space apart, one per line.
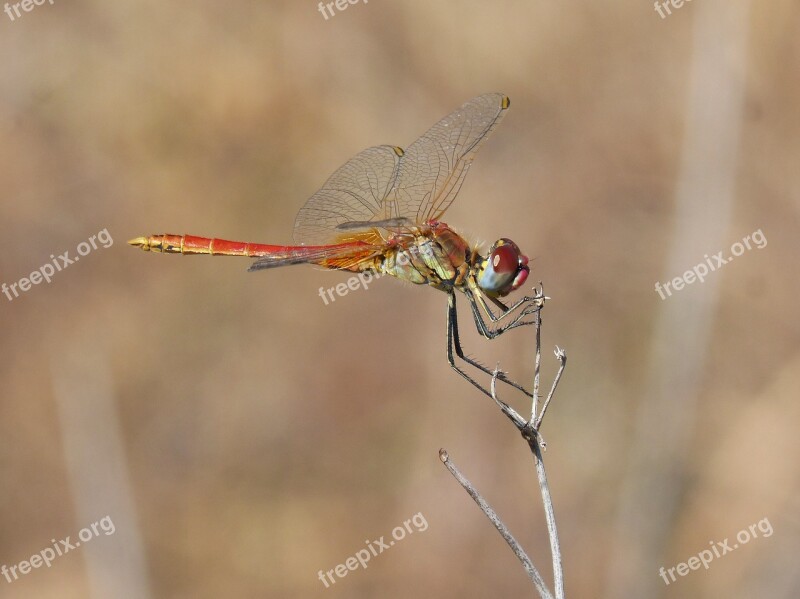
561 356
538 360
530 432
533 573
550 517
512 414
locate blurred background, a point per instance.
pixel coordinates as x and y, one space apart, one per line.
242 435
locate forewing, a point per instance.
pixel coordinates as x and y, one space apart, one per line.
431 171
354 193
386 189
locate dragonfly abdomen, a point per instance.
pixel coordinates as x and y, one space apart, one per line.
193 245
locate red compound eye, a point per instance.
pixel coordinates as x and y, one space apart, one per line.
503 270
505 259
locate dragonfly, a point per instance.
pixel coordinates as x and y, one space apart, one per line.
381 212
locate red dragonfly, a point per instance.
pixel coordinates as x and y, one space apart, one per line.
381 212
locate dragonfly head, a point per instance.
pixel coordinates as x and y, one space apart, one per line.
503 270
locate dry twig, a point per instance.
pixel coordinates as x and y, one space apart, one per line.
530 432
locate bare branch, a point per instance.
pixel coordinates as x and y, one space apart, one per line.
530 432
538 359
512 414
561 356
550 517
533 573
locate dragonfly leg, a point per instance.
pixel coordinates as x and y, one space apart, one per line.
454 343
530 306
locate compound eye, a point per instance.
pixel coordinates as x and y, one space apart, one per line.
504 270
505 259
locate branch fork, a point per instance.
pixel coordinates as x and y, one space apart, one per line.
530 430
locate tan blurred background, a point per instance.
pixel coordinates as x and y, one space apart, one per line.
243 436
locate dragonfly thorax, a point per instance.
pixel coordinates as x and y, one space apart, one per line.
434 255
438 256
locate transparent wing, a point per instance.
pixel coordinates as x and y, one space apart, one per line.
354 193
386 188
431 171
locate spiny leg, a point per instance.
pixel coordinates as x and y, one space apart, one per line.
530 305
453 342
